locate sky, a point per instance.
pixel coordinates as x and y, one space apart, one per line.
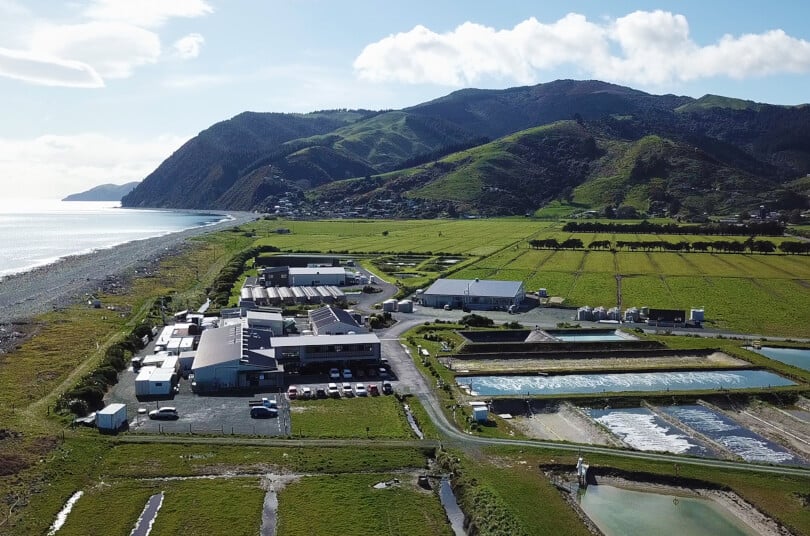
102 91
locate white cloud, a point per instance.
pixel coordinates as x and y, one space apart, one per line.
111 40
645 47
146 12
188 47
55 166
47 70
113 49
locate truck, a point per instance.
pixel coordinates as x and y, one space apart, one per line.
111 418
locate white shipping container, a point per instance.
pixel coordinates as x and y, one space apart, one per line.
112 417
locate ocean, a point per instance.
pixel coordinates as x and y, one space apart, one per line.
40 231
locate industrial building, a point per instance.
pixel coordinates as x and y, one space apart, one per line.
333 321
327 349
222 363
474 294
322 275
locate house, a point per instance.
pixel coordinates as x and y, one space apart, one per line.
331 320
474 294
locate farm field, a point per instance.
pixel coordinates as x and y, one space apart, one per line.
374 417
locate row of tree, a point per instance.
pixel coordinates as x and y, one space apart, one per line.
719 246
754 228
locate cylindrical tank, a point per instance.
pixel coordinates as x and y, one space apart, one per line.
614 314
631 315
585 313
389 306
405 306
599 313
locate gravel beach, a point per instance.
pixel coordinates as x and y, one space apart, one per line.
62 283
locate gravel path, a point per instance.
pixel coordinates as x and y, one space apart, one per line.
62 283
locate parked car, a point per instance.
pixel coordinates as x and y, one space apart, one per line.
373 389
333 390
347 374
292 392
263 412
387 388
347 390
360 389
164 414
383 372
306 392
334 374
320 392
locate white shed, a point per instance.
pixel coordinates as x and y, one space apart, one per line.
152 381
112 417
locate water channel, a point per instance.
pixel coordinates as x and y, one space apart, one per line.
621 382
622 512
451 507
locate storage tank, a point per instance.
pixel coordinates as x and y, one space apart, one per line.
112 417
631 315
599 313
389 306
614 314
644 312
543 293
405 306
585 313
696 315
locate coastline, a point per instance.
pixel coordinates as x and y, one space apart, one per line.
41 289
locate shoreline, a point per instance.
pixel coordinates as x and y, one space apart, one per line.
24 295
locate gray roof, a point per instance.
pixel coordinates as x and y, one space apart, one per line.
327 316
320 270
475 287
319 340
219 345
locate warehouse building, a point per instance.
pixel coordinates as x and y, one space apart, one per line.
474 294
221 363
322 275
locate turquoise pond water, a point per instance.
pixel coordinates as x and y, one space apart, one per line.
623 512
798 357
622 382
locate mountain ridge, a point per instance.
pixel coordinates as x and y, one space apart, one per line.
715 148
104 192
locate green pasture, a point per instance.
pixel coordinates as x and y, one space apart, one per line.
369 416
349 504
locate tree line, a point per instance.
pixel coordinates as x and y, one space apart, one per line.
719 246
757 228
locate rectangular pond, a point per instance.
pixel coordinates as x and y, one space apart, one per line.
798 357
565 384
590 335
749 445
623 512
642 429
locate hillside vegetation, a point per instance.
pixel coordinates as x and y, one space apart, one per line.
498 152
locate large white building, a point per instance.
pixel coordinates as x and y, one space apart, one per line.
322 275
474 294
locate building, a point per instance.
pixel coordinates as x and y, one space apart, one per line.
333 321
474 294
322 275
222 363
326 349
276 276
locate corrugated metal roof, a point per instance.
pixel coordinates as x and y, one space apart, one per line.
219 345
318 340
326 316
323 270
475 287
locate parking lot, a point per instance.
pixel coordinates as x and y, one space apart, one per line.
230 413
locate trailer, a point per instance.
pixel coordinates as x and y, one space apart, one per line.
111 418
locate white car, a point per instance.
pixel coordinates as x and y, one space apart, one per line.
306 392
332 390
360 389
164 413
347 390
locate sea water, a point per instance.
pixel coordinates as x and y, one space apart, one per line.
38 232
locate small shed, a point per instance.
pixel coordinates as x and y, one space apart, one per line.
152 381
111 418
480 411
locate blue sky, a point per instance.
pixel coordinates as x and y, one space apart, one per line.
103 90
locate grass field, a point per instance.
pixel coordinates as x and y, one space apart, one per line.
370 416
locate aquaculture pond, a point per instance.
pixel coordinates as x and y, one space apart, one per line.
617 511
642 429
621 382
590 335
798 357
749 445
